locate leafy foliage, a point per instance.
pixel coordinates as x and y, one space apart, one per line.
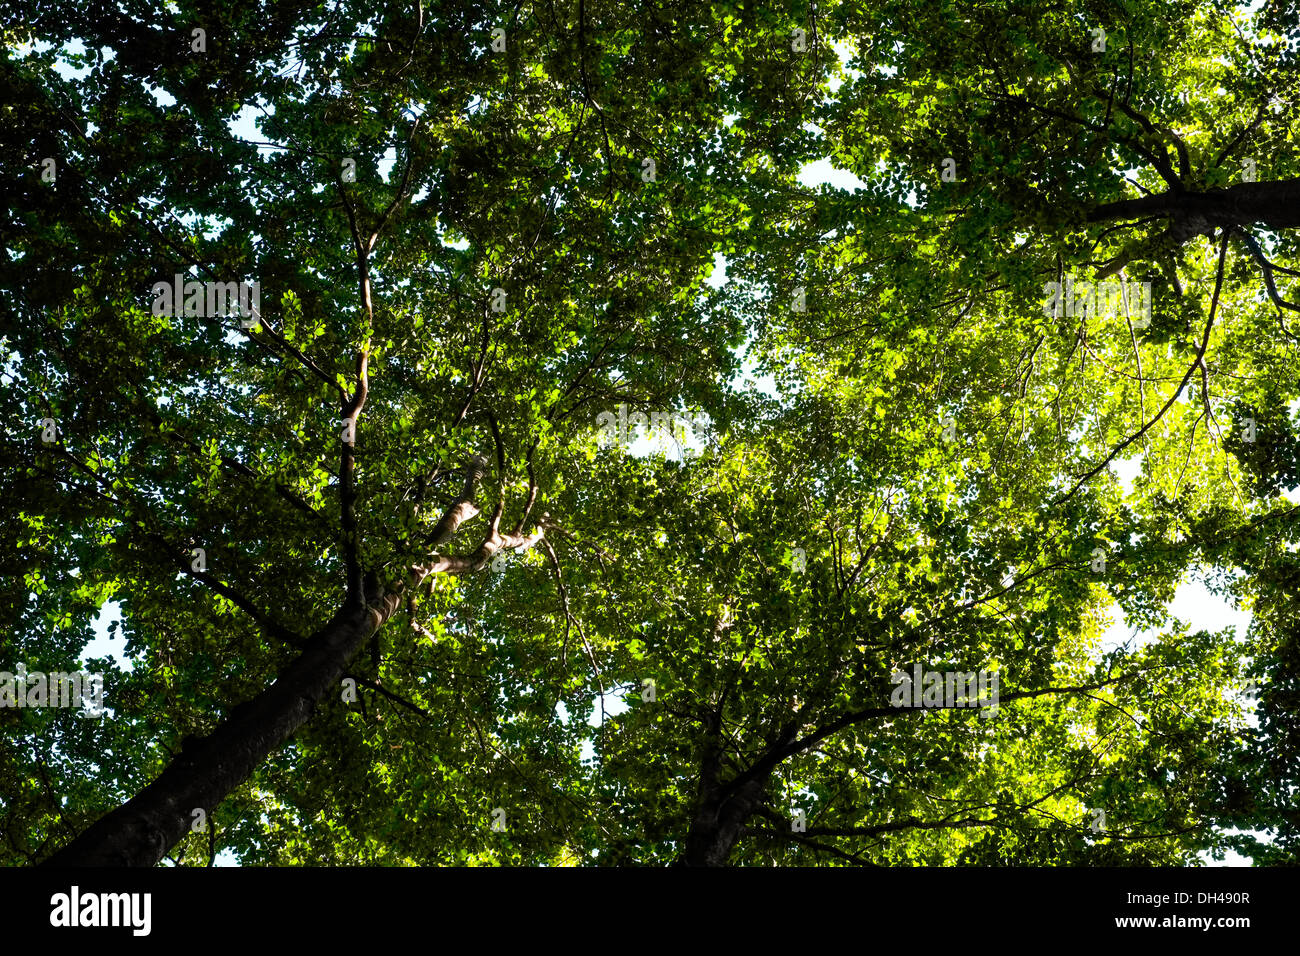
477 251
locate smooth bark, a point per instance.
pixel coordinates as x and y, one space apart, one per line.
142 830
1272 204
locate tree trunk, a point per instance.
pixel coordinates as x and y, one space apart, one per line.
143 829
1274 204
717 824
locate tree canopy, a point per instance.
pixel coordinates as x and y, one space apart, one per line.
383 534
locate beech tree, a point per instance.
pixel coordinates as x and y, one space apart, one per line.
382 538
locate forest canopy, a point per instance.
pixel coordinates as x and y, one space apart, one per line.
494 449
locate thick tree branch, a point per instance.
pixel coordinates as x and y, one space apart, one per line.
763 767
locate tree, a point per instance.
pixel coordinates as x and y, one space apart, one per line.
376 560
